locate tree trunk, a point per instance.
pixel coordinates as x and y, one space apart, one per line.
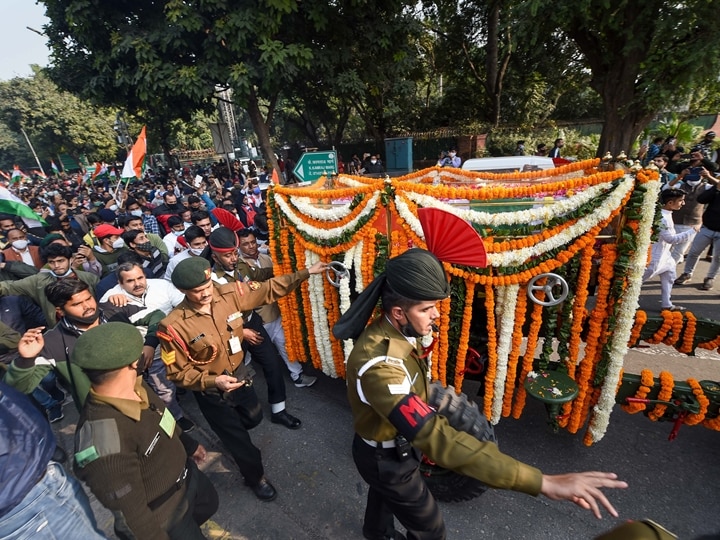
262 131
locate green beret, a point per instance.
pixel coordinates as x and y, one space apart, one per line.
417 274
191 273
108 346
50 238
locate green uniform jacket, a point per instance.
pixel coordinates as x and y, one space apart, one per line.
382 371
198 346
129 457
34 288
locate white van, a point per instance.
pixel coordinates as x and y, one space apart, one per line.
508 164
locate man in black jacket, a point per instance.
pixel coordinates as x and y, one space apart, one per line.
708 234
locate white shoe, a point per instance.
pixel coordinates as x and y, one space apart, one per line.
304 381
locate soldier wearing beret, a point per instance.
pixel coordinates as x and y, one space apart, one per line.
387 381
255 340
128 448
201 348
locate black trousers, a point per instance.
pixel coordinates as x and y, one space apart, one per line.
231 419
267 356
202 504
396 488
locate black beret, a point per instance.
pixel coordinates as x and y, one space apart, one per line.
108 346
223 240
191 273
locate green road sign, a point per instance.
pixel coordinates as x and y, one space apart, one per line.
312 165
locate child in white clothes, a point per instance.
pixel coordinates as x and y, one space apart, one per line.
661 263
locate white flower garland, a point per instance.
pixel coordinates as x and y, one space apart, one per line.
543 214
566 236
350 182
325 234
306 207
505 306
405 213
624 323
357 263
344 292
321 328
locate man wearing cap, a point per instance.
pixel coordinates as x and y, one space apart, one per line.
58 259
387 380
110 247
705 146
255 339
201 347
128 449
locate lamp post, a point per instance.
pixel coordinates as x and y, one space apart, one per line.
33 151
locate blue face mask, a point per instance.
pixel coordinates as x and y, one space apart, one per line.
256 191
178 233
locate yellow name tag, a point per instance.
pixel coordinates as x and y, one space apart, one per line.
167 423
168 357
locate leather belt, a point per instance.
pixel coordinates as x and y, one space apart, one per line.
380 444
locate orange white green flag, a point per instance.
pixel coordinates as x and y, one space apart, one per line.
135 162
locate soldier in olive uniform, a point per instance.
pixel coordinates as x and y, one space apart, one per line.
387 380
201 348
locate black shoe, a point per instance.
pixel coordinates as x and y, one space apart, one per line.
397 535
55 414
59 455
286 419
186 424
264 490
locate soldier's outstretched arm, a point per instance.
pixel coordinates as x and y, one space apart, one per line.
583 489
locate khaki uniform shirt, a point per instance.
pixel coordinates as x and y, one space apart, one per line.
197 346
383 370
260 269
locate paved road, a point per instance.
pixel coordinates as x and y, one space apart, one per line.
321 496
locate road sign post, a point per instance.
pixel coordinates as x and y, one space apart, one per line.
312 165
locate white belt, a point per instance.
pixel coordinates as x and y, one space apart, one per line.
381 444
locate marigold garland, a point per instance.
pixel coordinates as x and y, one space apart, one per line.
517 339
593 340
695 418
665 327
646 384
529 357
666 388
442 346
640 320
688 339
491 367
464 335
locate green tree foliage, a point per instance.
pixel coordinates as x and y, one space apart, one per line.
54 120
171 57
643 56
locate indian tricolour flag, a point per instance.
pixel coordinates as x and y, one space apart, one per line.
17 175
135 162
54 167
10 204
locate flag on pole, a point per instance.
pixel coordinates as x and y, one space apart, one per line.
17 175
100 169
5 175
54 167
10 204
41 175
135 162
275 177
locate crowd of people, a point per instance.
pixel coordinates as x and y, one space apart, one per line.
132 294
690 201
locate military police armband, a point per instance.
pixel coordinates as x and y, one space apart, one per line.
410 415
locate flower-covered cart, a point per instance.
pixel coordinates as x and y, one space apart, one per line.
577 225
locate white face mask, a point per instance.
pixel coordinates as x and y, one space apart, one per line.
178 233
20 244
691 183
119 243
114 207
452 154
136 213
197 252
373 161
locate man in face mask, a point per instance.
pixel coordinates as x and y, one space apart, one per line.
110 248
19 249
58 259
170 206
154 260
196 241
77 311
